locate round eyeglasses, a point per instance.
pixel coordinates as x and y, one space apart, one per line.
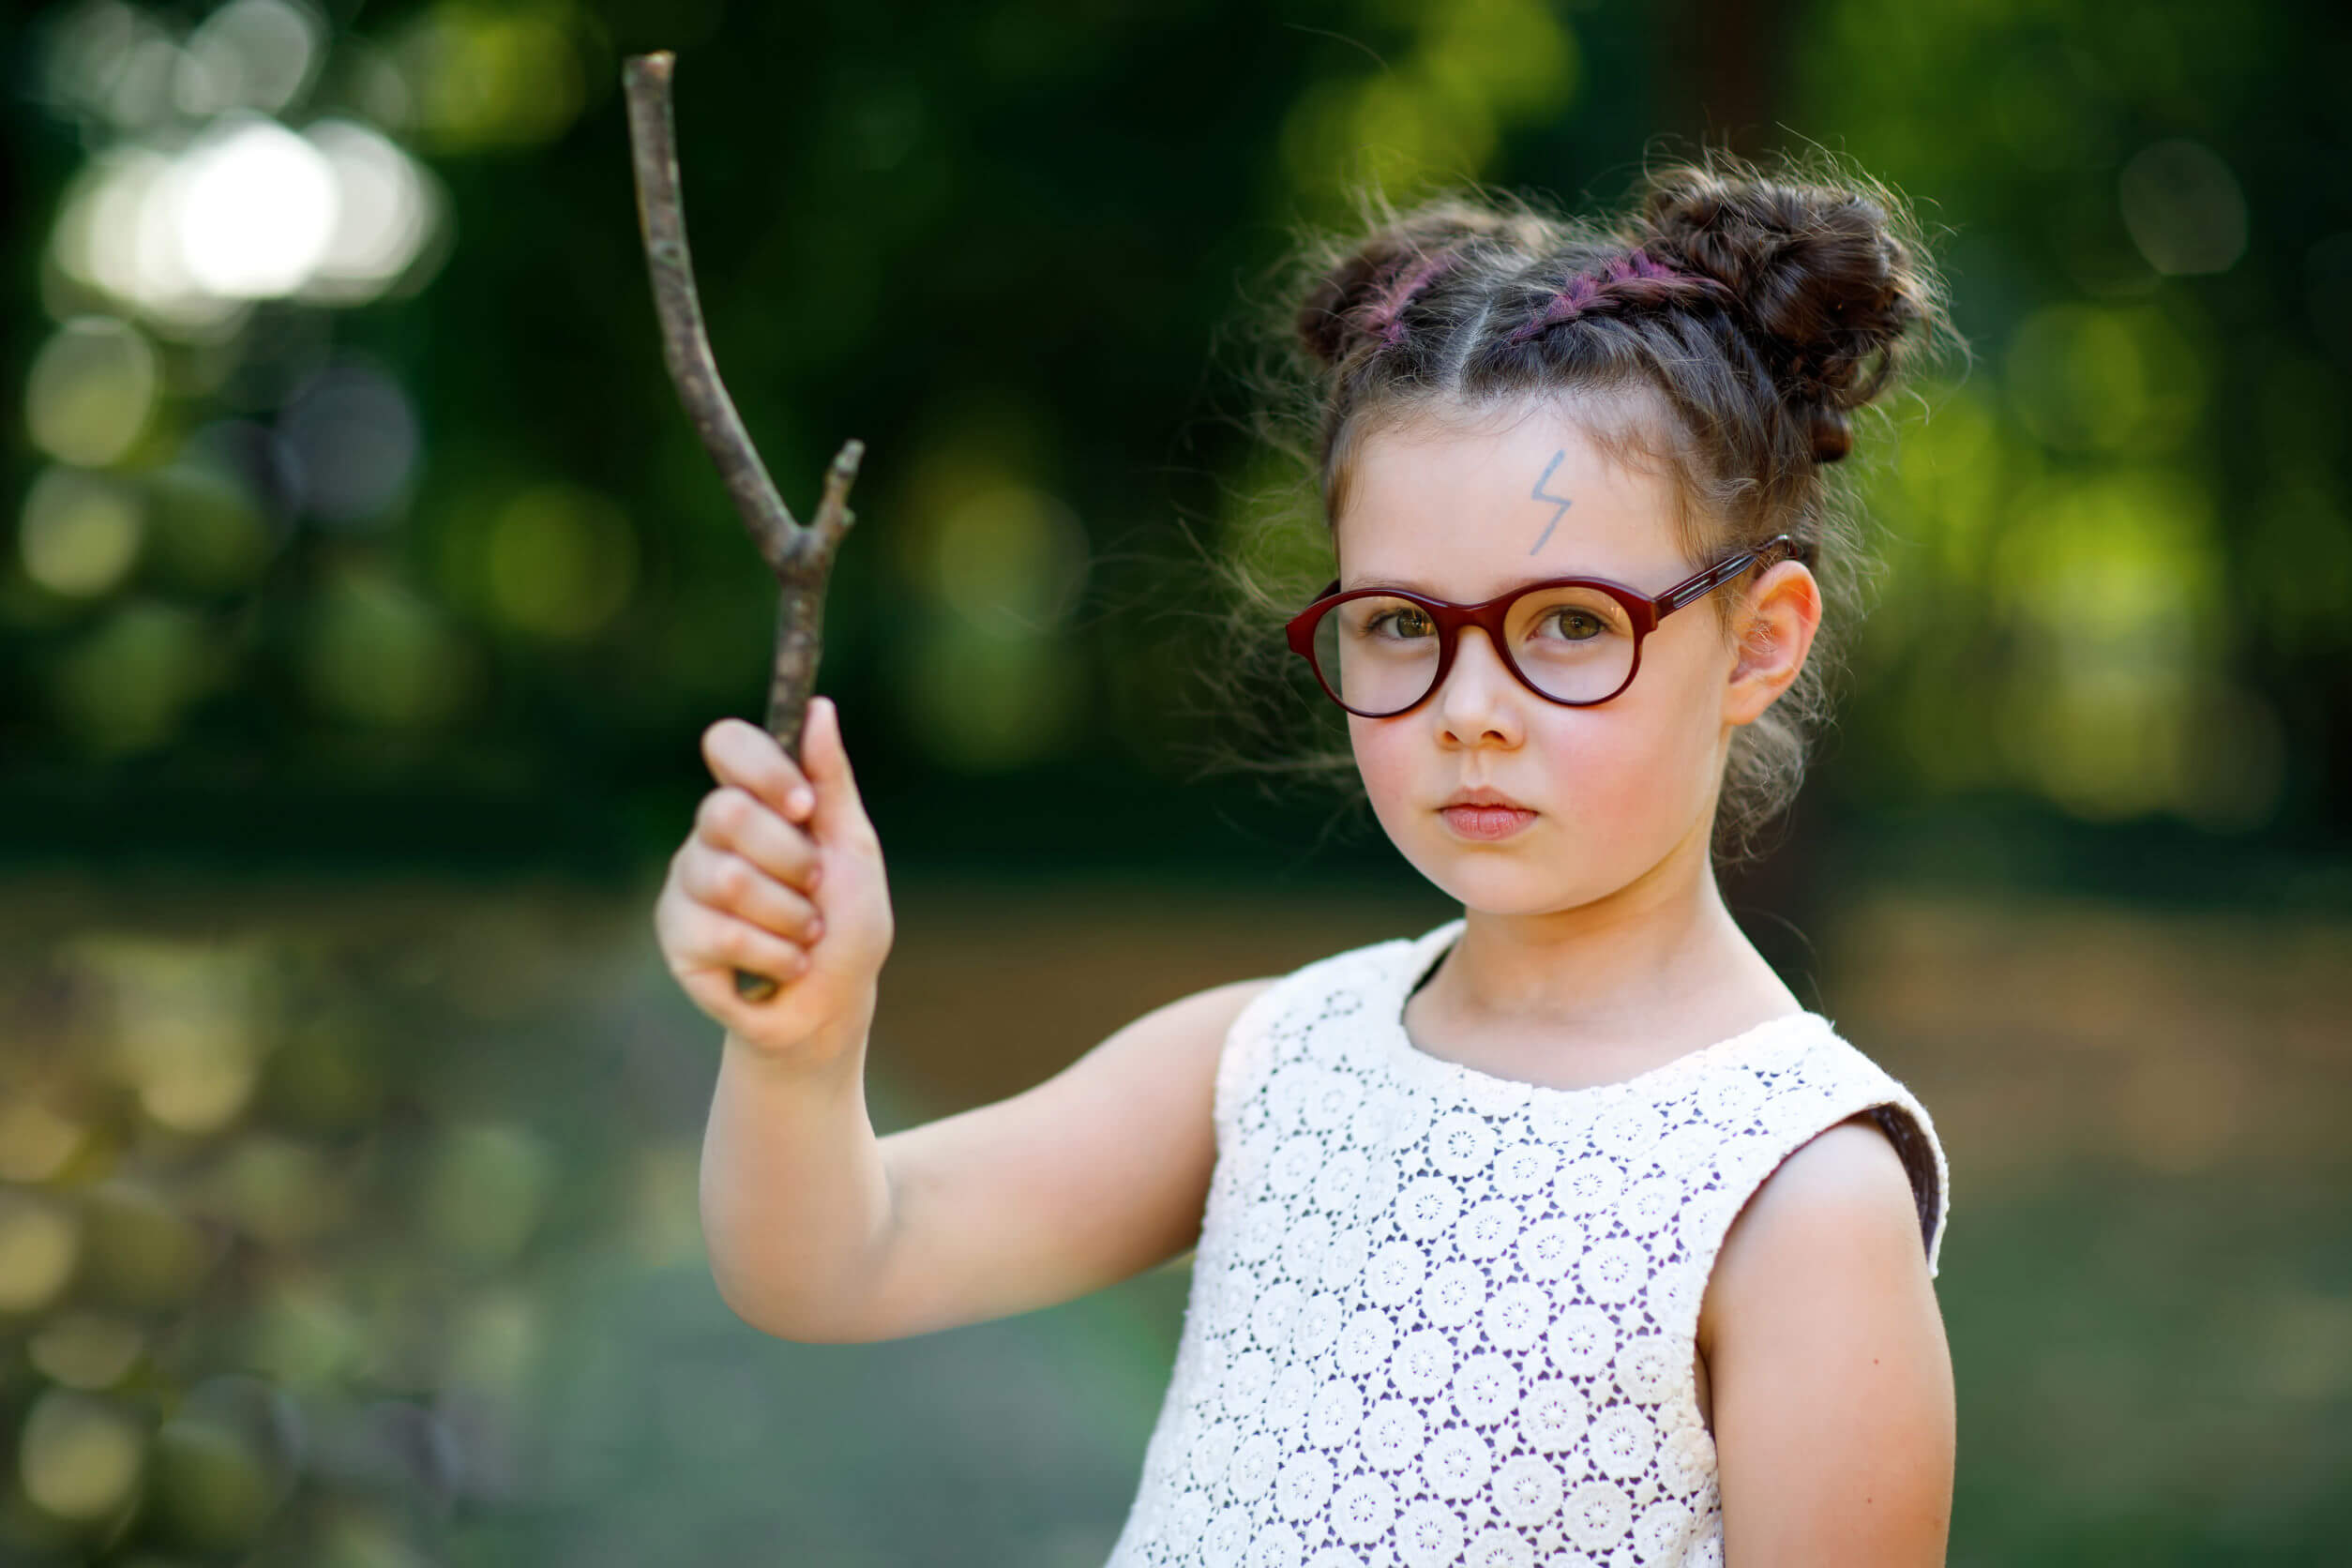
1576 640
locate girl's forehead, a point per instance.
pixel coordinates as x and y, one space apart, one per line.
1466 512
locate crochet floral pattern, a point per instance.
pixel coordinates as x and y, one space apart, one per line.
1439 1317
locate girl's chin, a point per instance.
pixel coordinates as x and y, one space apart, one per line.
1478 877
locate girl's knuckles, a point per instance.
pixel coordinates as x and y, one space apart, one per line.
718 813
778 844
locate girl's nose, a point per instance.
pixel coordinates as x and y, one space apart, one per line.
1479 698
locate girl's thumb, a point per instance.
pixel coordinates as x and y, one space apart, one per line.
826 761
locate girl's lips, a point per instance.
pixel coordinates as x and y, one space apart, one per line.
1485 822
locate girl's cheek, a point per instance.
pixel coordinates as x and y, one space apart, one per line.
1600 785
1395 779
1600 764
1386 766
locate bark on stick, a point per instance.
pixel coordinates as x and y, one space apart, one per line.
800 556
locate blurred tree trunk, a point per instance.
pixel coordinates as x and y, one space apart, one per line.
1722 67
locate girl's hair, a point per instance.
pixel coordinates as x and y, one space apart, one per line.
1721 332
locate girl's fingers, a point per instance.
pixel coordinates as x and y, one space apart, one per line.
742 754
840 811
717 942
732 885
730 819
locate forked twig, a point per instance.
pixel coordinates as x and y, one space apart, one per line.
801 557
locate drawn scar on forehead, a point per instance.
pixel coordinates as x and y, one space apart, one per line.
1559 503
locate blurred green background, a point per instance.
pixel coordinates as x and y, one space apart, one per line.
364 592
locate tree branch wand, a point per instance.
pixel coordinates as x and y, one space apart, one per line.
801 557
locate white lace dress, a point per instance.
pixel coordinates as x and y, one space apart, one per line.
1439 1317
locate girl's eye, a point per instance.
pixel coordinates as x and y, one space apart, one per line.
1579 625
1406 622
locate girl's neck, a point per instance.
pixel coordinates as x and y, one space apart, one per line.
1627 982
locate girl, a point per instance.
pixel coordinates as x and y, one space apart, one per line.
1561 1233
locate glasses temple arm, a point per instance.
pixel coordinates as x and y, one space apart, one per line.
1782 548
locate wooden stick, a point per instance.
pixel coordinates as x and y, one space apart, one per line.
801 557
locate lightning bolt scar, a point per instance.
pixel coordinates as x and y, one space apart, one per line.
1561 501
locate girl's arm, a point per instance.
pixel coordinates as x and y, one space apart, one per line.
819 1231
1831 1380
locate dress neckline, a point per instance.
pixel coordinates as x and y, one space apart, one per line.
1418 956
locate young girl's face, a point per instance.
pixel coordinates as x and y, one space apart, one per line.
1618 788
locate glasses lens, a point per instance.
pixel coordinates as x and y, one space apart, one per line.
1377 654
1573 643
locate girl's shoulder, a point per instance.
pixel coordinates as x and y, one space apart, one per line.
1810 1079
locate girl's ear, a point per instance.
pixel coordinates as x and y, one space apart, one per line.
1775 630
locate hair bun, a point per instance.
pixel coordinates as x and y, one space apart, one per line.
1829 289
1356 297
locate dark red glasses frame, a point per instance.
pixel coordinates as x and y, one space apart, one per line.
1645 610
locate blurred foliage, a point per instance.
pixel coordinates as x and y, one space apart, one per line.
2118 540
285 1210
381 509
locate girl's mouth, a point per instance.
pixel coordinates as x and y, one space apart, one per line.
1485 822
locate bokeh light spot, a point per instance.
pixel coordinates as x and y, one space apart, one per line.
92 389
86 1350
279 1191
80 1454
985 700
485 1187
89 46
225 1461
561 562
385 209
252 54
1513 55
493 1342
1475 66
303 1334
39 1245
36 1139
380 653
81 532
186 1025
354 437
1009 556
2183 207
125 685
143 1253
2118 579
207 536
257 208
2087 378
488 76
117 233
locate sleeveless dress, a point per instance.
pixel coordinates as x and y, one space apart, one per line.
1439 1317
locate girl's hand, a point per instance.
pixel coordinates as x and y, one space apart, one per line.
782 875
